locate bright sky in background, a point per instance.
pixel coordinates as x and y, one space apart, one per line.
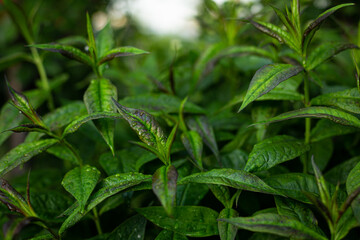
163 17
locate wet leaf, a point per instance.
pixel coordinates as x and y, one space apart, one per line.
97 99
22 153
170 235
194 146
80 182
238 179
273 151
267 78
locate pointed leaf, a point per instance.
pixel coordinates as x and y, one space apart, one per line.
324 52
145 126
104 40
164 187
314 26
91 38
276 32
77 123
348 100
201 125
275 224
267 78
232 178
192 221
21 102
108 187
334 115
97 99
80 182
227 231
67 51
193 145
120 52
22 153
28 128
130 229
13 200
273 151
222 193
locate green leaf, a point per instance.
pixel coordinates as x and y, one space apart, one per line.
80 182
131 229
321 151
324 52
91 38
159 104
201 125
22 153
227 231
21 102
63 153
120 52
334 115
108 187
194 146
273 151
276 32
20 19
104 40
238 179
169 235
315 25
28 128
353 183
297 211
347 100
164 186
275 224
67 51
13 200
295 185
146 127
192 221
340 172
97 99
267 78
345 224
78 122
327 129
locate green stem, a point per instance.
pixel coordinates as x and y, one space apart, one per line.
97 221
43 77
307 120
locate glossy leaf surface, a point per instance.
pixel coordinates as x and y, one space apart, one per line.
266 79
232 178
273 151
80 182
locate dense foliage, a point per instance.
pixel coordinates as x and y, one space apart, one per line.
249 132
